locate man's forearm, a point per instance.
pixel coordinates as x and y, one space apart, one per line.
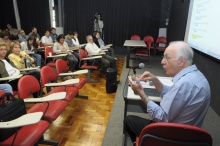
157 84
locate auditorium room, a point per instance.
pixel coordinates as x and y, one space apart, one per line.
109 73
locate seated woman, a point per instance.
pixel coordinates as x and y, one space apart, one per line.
62 47
18 57
30 48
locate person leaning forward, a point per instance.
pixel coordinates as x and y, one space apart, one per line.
185 102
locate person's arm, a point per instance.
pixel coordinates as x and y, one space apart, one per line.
101 24
56 48
92 51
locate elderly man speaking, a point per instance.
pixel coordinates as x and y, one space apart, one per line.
186 101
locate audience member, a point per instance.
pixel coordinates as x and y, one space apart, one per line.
186 102
75 39
53 34
46 39
22 37
30 48
74 49
106 60
6 88
5 37
101 44
62 47
34 33
8 68
13 32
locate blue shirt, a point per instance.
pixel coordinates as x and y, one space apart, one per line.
187 101
22 38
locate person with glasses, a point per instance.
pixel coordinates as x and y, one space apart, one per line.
22 37
186 101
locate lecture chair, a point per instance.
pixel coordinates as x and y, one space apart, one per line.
47 50
173 134
145 51
30 132
135 37
62 67
49 80
51 109
83 58
161 44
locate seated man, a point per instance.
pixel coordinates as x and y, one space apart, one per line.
186 102
47 40
106 60
68 40
6 88
34 33
22 37
53 34
101 44
13 32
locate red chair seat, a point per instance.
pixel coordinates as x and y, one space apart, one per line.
142 54
82 82
27 135
71 92
54 110
86 66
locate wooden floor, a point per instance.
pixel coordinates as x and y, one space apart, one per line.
84 121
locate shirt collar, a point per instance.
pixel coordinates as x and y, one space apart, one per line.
184 72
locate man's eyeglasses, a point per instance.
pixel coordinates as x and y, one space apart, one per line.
167 57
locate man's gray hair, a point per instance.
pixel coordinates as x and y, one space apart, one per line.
184 50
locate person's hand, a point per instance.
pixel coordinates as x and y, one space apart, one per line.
63 50
27 51
146 76
101 51
136 86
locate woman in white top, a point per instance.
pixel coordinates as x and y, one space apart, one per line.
30 48
62 47
75 39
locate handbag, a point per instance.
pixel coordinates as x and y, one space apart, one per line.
10 109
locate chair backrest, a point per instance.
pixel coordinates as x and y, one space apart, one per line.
149 40
47 50
173 134
61 66
27 85
135 37
82 54
161 40
48 75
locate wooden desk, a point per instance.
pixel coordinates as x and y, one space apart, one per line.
27 119
133 102
11 77
132 43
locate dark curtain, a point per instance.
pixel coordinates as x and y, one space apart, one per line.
122 18
178 20
34 14
7 14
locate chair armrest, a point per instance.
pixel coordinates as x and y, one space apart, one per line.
51 97
92 58
85 71
27 119
56 56
67 82
102 53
